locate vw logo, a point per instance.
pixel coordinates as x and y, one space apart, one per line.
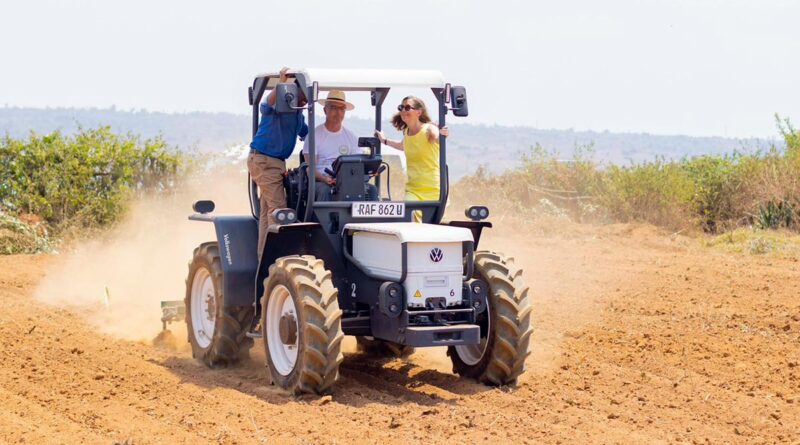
436 254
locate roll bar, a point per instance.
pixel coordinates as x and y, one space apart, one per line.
378 95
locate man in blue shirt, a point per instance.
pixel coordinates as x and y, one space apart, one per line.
273 143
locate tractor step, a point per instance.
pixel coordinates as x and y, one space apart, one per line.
442 335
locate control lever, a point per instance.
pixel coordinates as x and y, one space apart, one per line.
379 171
330 172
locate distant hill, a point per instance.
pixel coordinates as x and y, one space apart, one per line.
496 147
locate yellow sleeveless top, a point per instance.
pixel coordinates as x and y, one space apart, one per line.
422 163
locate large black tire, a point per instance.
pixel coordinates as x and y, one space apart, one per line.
381 348
318 325
505 325
228 343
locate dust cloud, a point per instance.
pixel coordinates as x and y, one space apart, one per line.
118 280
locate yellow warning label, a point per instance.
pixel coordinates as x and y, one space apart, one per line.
417 294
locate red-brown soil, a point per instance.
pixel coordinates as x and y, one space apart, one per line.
641 337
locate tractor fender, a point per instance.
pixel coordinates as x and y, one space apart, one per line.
475 226
238 240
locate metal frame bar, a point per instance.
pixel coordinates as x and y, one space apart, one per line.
311 172
443 192
256 92
378 95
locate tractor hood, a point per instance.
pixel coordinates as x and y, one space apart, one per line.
415 232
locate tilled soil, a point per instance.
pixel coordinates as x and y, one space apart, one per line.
639 338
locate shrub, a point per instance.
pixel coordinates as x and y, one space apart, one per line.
19 236
773 216
712 179
656 192
82 180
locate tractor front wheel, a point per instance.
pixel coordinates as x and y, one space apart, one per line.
302 325
500 356
216 332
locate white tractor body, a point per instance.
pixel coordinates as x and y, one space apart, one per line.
434 260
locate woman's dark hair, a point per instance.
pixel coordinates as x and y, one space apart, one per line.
418 104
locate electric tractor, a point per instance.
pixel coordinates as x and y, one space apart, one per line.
353 265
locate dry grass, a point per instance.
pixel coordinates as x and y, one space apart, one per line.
709 193
770 243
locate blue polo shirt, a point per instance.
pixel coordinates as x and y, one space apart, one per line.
277 132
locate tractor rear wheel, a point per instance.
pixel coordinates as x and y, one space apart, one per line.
302 325
382 348
505 325
216 332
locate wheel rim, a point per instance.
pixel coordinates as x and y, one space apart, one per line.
204 304
280 304
472 354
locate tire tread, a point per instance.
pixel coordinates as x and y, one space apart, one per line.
230 342
322 327
511 320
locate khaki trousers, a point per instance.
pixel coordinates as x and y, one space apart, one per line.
267 172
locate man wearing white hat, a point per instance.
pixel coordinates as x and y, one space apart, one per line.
332 140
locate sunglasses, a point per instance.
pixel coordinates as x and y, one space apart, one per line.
405 107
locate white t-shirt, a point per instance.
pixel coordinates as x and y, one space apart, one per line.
330 146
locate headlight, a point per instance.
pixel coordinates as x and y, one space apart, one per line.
284 216
477 213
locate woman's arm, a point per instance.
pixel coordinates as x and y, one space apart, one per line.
433 132
394 144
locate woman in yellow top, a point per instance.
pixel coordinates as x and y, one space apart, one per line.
421 145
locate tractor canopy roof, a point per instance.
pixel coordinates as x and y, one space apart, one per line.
361 79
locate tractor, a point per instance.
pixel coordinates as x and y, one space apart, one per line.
353 266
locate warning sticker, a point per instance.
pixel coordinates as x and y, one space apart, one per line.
417 294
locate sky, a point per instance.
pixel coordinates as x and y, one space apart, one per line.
699 67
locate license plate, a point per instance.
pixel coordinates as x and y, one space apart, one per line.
371 209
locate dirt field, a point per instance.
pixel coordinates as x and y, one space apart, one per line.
640 338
